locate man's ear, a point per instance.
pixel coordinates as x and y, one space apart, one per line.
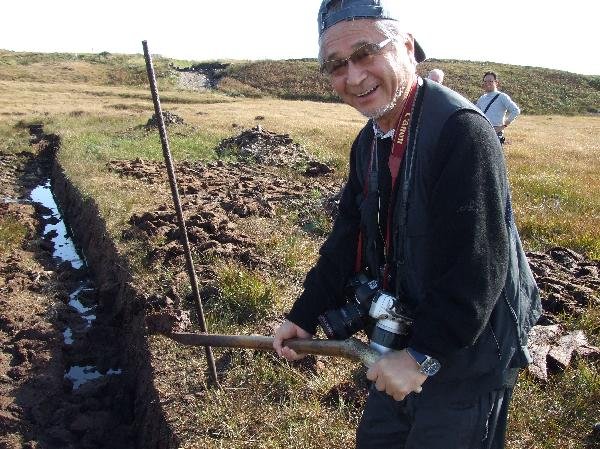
409 44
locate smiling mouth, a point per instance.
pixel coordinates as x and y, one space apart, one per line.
364 94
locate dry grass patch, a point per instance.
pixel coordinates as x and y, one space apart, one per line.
554 163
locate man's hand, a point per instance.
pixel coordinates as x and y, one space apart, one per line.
286 331
397 374
500 128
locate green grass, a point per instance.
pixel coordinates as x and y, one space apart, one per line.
12 234
14 138
536 90
557 414
265 402
244 295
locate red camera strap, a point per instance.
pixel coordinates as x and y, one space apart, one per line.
394 163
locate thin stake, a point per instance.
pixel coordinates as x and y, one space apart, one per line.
175 192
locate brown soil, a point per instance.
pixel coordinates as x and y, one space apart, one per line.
169 118
216 195
38 406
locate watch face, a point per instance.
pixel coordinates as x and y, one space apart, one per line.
430 366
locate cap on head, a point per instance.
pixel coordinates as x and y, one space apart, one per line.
334 11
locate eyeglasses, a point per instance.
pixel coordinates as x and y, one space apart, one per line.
362 55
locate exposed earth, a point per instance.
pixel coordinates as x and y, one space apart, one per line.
45 398
215 195
39 406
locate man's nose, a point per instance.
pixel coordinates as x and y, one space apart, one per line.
356 73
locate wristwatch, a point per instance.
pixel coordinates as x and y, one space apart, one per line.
428 365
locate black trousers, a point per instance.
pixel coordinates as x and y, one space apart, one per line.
421 422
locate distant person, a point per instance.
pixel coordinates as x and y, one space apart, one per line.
497 106
436 75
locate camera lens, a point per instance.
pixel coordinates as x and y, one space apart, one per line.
384 340
344 322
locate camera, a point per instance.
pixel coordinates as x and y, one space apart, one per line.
383 317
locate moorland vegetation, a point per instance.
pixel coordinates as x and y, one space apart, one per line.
99 103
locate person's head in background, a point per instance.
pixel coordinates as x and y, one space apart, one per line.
436 75
490 82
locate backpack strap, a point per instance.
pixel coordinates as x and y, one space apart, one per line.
490 103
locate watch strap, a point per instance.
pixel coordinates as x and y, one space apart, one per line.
416 355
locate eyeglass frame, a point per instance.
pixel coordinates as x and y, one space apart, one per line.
344 61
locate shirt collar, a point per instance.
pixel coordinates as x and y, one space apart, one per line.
379 134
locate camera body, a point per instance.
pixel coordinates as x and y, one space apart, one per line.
385 320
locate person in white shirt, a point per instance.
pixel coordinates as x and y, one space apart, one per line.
436 75
498 107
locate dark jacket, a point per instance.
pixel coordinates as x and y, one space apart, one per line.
457 256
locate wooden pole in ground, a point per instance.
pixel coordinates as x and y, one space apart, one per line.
175 193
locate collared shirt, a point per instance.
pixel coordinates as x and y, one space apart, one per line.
379 133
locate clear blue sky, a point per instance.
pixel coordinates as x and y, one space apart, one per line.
558 35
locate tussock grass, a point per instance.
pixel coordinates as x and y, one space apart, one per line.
244 296
12 234
265 402
13 137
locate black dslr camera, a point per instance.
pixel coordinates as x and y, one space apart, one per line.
385 320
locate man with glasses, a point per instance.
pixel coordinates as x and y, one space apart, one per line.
497 106
425 215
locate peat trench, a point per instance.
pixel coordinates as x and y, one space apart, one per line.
62 380
75 369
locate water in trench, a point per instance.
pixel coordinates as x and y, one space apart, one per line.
64 248
80 299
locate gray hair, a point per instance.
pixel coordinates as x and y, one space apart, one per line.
389 28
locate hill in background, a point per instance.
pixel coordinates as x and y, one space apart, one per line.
536 90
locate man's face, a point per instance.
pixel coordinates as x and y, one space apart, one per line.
489 83
373 85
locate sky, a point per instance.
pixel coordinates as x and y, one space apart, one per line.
557 35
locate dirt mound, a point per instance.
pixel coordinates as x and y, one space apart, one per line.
269 148
169 118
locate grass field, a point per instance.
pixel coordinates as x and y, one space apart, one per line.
553 162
